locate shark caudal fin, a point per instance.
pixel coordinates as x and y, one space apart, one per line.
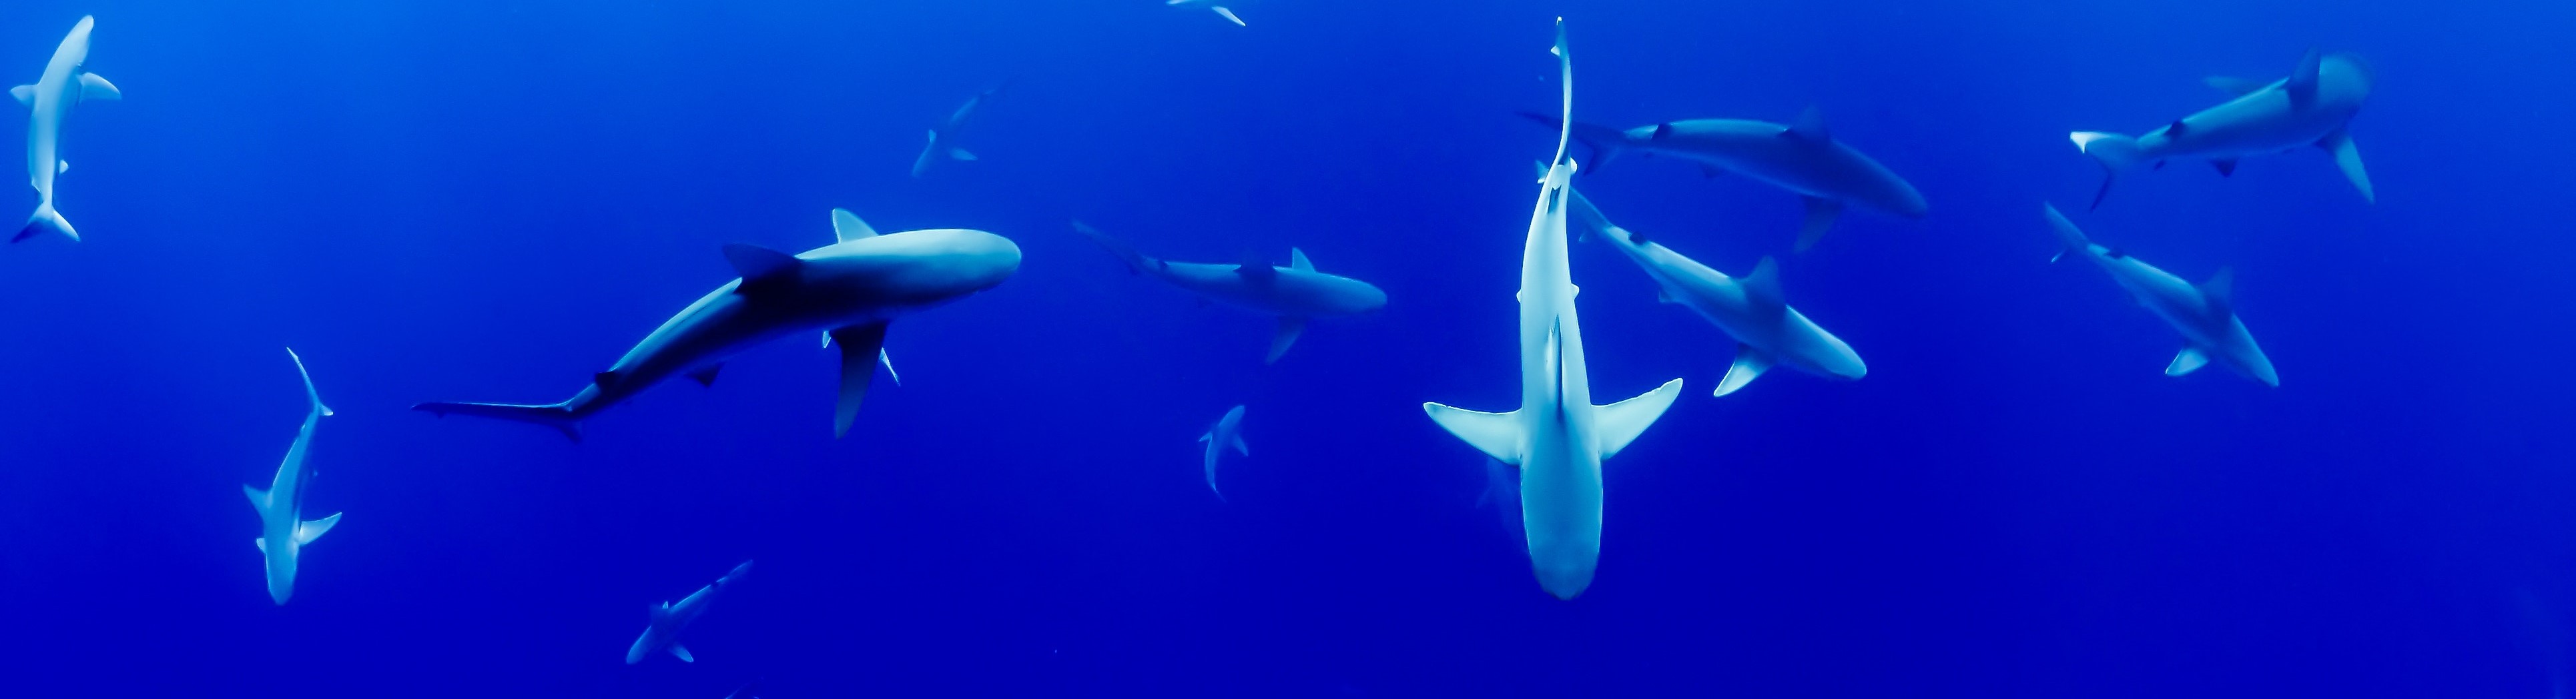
1619 423
46 220
1606 142
558 416
2115 152
1498 435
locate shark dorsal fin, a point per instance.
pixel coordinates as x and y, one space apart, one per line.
848 227
1297 260
2302 84
1762 286
2220 290
759 266
1810 127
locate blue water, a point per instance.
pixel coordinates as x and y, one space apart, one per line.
473 200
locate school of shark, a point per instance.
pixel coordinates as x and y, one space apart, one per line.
1548 452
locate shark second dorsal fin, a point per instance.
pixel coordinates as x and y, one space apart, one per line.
2302 84
2220 291
848 227
1762 287
1810 127
760 267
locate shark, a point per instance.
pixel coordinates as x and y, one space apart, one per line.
1221 11
2205 314
1557 437
938 148
283 531
1227 432
1802 157
1750 309
671 618
1294 293
2313 106
852 289
49 102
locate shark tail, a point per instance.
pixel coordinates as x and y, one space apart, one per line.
558 416
46 220
2115 152
1606 142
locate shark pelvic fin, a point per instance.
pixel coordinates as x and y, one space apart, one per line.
2349 160
706 376
2191 359
1749 365
1617 424
1821 213
2226 167
258 498
98 88
1498 435
308 530
1289 328
681 652
860 346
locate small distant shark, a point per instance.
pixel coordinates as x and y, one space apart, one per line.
1227 432
283 531
2205 315
1558 437
853 288
938 148
2311 107
1210 4
1294 293
49 102
1752 310
671 618
1802 157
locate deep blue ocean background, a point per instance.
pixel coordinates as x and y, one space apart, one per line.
474 200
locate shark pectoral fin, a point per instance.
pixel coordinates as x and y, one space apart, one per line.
1240 447
98 88
2302 84
1749 365
26 95
1617 424
1762 287
2234 85
1289 328
1821 213
308 530
261 542
848 227
1229 16
681 652
2190 360
706 376
887 361
960 154
2220 291
859 347
2226 167
1498 435
762 269
258 498
2346 157
1297 260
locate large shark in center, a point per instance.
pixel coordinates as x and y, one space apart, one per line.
662 633
1751 309
1558 438
2204 314
283 531
2308 108
852 288
49 101
1802 157
1294 293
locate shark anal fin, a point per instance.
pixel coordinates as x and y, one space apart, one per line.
681 652
1821 213
261 542
2191 359
2226 167
1289 328
98 88
706 376
1617 424
258 498
1498 435
308 530
1749 365
2348 159
860 345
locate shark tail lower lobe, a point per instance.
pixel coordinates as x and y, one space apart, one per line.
557 416
46 220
